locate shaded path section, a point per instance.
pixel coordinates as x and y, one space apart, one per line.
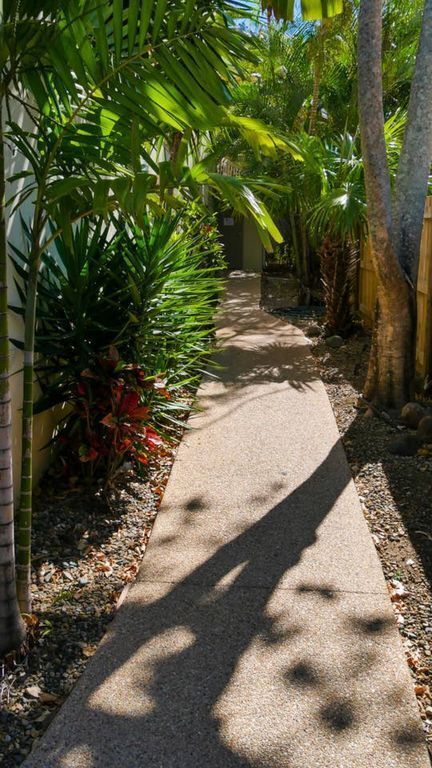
259 633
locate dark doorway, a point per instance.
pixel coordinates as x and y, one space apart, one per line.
232 237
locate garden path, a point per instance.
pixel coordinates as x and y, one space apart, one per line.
259 633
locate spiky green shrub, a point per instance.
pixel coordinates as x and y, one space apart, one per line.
149 291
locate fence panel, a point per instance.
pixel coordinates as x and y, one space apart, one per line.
368 288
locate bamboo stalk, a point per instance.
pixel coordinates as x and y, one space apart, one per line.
12 629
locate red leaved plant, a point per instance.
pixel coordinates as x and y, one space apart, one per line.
110 423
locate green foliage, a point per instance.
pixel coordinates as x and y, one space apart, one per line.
149 291
101 121
311 9
107 89
306 65
340 210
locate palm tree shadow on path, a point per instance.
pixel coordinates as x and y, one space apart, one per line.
155 694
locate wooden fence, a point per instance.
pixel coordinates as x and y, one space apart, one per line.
368 286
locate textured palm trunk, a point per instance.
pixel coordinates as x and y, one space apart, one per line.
394 226
337 267
389 382
24 517
12 629
315 94
318 69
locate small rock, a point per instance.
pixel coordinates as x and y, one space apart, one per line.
412 414
68 575
313 330
424 430
33 691
334 342
407 445
369 414
82 581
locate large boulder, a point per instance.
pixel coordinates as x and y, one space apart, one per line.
412 414
424 430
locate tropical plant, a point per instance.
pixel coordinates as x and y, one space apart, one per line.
109 421
28 44
311 9
149 292
99 121
388 77
286 87
12 630
336 224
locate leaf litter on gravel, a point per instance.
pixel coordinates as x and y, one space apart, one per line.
88 547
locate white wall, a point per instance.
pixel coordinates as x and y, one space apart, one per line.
44 423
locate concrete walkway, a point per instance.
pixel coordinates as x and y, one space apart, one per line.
260 633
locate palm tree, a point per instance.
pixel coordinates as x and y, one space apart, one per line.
395 219
98 122
12 630
30 40
336 223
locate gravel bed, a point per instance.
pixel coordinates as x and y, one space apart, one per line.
396 497
88 546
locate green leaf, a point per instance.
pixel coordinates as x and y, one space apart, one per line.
132 24
146 12
158 17
64 187
118 27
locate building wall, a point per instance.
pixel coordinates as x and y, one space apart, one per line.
44 423
253 254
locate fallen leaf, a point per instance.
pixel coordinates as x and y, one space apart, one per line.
31 620
398 592
412 662
89 650
105 568
48 698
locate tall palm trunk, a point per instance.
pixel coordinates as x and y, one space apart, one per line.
318 69
389 381
12 629
24 517
395 225
338 264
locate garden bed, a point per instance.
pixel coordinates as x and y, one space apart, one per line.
396 497
88 545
